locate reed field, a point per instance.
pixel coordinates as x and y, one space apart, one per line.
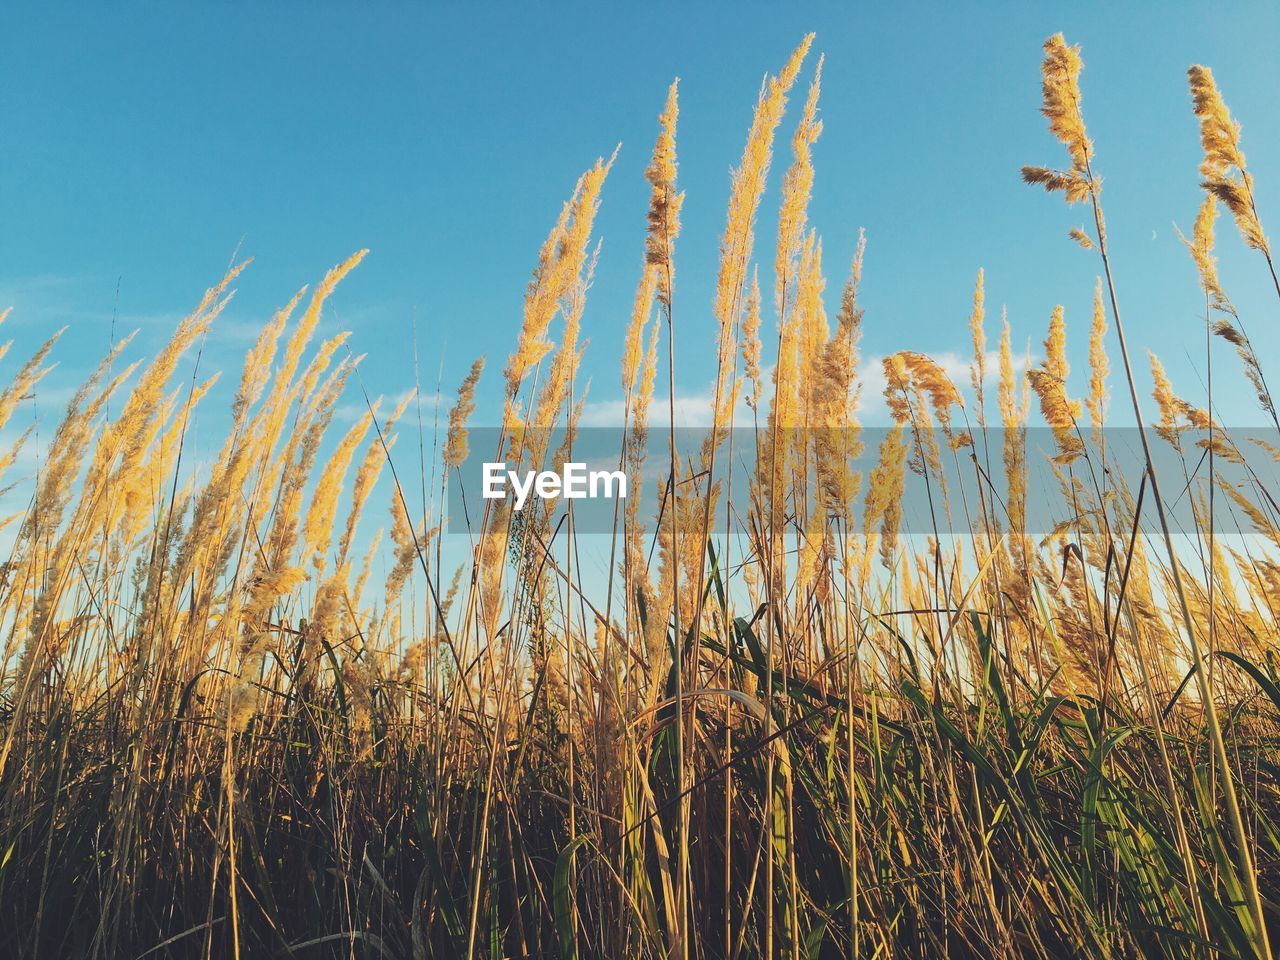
778 727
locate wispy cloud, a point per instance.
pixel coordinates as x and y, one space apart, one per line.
872 409
693 408
352 410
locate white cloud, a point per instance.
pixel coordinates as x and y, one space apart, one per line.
693 409
872 409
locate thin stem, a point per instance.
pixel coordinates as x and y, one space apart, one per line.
1249 877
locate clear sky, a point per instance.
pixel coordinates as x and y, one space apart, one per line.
143 144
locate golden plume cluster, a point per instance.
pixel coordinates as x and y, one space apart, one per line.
978 706
1049 382
1060 87
1223 167
455 444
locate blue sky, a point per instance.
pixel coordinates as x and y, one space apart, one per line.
143 144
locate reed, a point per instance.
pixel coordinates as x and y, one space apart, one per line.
853 726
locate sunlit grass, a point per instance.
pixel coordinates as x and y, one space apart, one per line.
222 738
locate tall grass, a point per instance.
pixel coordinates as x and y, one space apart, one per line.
816 737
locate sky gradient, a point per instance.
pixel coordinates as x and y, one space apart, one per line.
143 147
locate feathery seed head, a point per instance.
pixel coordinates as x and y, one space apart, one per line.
1060 85
455 447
